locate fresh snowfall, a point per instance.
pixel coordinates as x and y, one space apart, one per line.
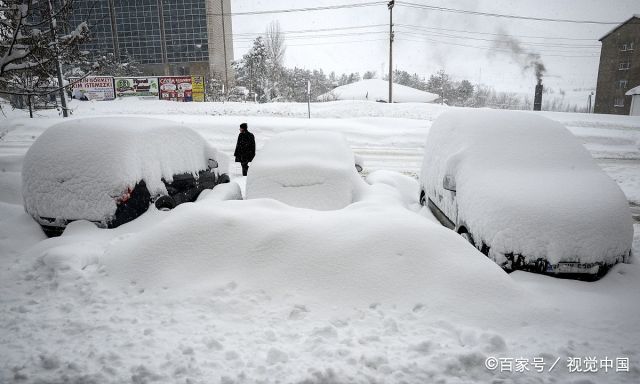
366 287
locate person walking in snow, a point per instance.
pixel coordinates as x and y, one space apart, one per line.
245 148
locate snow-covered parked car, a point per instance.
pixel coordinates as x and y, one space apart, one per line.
306 169
525 192
108 170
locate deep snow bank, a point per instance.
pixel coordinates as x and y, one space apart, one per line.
378 90
358 256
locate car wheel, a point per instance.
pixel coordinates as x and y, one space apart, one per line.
541 266
165 203
467 236
423 199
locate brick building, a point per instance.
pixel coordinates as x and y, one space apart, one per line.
169 37
619 69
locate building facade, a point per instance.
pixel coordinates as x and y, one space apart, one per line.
619 69
169 37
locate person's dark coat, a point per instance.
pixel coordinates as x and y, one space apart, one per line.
245 148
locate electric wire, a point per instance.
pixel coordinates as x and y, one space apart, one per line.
509 16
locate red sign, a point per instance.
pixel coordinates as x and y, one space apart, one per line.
176 88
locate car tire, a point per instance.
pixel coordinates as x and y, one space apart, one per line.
165 203
541 266
467 236
423 199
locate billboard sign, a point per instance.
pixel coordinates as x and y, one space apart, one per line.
182 88
176 88
197 83
146 87
92 88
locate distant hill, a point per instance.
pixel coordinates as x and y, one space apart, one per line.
378 90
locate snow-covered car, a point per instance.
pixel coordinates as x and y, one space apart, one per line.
108 170
525 192
306 169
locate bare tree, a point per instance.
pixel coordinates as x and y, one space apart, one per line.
275 49
275 44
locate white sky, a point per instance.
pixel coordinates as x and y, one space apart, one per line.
356 51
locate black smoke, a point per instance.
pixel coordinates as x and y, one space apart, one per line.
509 45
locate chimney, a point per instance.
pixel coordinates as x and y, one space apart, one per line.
537 99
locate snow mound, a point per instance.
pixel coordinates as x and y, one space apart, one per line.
525 185
359 255
77 168
308 169
378 90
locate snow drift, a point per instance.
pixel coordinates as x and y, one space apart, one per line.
363 254
309 169
378 90
77 168
525 185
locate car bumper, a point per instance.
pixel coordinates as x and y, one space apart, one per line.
55 226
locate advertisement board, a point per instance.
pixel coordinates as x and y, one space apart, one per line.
197 86
146 87
182 88
176 88
92 88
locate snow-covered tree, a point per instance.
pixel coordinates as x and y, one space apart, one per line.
252 69
103 64
369 75
34 38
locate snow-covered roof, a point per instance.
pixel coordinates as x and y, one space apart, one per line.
526 185
636 16
378 90
77 168
308 169
633 91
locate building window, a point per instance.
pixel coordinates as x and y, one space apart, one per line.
624 65
621 84
618 102
627 46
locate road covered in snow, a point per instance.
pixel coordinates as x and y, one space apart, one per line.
257 291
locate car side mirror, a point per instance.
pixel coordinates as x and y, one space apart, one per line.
449 183
213 164
358 168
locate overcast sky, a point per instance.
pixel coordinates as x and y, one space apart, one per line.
416 49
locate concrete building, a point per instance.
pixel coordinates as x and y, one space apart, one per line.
619 69
169 37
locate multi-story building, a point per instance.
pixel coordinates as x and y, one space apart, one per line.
619 69
169 37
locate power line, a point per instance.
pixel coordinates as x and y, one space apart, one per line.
496 41
477 13
314 30
289 10
331 42
419 27
492 48
321 36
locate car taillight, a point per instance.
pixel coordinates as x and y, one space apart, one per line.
124 197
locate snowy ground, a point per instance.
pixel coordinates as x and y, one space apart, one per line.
255 291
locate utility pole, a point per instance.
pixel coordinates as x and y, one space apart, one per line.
224 47
390 5
54 37
309 97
